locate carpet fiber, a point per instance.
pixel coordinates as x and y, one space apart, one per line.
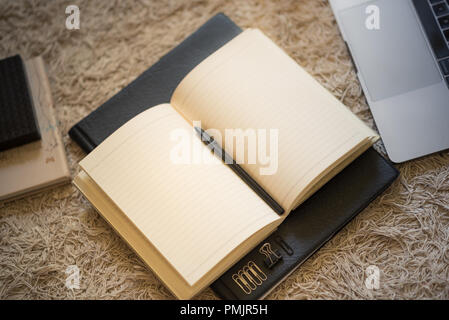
404 232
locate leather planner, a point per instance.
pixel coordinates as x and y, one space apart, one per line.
306 229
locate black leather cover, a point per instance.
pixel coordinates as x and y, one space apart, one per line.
18 122
310 226
155 85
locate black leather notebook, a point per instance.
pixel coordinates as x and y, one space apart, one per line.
306 229
18 124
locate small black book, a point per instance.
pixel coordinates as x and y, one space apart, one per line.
18 124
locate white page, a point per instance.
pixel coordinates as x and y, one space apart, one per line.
194 214
250 83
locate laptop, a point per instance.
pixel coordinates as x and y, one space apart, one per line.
401 55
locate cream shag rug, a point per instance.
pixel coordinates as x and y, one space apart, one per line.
405 232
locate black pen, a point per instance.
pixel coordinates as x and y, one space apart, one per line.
227 159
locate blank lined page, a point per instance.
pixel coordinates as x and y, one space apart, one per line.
250 83
194 214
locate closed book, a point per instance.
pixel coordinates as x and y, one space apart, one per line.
41 164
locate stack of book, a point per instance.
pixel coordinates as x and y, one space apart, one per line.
32 155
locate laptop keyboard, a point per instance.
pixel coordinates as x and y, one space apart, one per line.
434 16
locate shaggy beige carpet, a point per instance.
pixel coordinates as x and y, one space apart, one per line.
404 233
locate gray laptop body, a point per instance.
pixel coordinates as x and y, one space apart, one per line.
400 50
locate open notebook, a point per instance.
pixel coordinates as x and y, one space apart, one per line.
190 221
